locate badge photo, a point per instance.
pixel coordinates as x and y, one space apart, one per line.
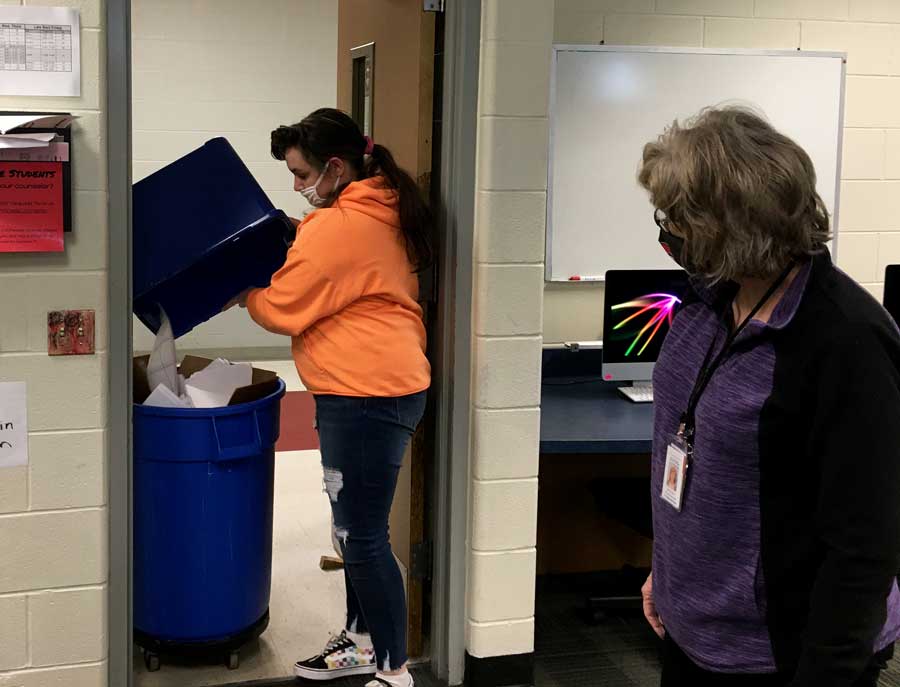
674 475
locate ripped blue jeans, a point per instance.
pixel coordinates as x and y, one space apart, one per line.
362 442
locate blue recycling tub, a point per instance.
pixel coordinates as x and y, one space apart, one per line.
203 491
203 231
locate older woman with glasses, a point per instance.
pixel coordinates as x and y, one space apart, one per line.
778 401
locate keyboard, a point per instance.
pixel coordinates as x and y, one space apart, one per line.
637 394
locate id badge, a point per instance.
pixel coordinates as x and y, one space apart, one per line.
675 473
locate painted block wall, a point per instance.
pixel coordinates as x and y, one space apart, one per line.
53 515
236 69
868 30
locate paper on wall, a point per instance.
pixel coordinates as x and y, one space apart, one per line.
34 121
27 145
33 140
40 51
13 425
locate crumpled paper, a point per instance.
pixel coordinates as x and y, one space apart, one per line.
162 369
211 387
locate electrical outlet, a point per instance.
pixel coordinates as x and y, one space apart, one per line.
70 332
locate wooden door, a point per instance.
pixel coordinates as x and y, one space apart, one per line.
402 92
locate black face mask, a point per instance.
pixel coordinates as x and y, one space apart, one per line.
674 246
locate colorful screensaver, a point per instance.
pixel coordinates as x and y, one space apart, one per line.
651 312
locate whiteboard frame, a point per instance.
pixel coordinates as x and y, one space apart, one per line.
578 47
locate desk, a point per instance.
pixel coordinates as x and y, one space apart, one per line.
587 415
589 432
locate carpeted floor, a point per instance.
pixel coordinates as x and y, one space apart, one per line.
422 676
619 651
298 412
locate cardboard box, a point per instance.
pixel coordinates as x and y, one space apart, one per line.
264 381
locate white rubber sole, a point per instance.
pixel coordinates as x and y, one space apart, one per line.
333 673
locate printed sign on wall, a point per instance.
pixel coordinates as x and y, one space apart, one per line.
40 51
31 207
13 425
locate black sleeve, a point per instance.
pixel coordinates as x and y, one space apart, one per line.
856 432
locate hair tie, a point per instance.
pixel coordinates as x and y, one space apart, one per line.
370 146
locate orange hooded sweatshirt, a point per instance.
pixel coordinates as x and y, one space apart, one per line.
347 294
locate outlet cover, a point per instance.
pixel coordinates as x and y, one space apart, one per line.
70 332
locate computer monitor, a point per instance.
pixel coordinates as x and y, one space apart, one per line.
892 291
638 308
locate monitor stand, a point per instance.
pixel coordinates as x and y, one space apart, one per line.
638 392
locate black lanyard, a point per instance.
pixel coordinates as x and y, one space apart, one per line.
708 369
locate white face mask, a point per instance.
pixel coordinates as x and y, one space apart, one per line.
311 193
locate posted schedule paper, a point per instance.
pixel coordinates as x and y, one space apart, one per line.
40 51
13 425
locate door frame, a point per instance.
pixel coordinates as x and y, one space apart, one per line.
119 376
452 379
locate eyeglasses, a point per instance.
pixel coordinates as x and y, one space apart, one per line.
662 221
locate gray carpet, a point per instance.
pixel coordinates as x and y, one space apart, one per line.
421 674
619 651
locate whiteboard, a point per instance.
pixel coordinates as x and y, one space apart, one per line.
606 102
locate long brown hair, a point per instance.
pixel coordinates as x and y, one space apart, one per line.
329 133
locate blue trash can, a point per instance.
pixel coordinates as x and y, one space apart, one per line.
203 488
203 232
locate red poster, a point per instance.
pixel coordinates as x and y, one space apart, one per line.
31 207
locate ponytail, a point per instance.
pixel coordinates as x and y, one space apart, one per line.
416 219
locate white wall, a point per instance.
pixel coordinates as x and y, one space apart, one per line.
868 30
53 517
232 68
509 276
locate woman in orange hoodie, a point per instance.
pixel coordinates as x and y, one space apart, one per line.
347 295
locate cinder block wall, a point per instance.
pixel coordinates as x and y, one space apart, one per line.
868 30
509 278
236 69
53 517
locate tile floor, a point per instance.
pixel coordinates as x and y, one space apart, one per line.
618 651
306 603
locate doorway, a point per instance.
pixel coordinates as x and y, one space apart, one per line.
196 77
417 560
